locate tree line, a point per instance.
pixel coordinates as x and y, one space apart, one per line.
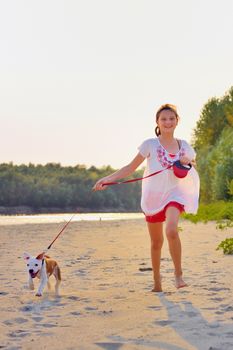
55 188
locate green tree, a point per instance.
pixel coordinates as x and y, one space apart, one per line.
213 141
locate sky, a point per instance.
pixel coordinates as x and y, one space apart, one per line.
80 81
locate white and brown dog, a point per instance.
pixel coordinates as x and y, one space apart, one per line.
42 267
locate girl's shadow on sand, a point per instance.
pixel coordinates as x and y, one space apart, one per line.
189 324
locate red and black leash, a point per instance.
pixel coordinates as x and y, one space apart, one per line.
63 228
136 179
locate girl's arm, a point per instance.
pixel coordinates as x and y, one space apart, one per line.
119 174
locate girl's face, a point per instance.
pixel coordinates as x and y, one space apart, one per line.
167 121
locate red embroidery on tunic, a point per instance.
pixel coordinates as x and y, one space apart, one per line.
163 156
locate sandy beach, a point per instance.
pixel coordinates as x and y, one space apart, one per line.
105 299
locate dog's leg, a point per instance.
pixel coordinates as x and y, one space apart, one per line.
57 275
43 281
30 283
48 284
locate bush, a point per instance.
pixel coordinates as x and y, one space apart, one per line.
212 212
226 246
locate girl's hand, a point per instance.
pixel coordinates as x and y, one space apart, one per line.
99 185
185 160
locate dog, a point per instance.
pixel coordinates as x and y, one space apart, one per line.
42 267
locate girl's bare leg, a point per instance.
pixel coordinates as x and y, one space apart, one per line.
156 235
172 218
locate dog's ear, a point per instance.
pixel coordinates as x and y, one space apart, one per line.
26 256
40 256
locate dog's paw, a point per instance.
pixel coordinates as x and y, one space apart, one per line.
38 294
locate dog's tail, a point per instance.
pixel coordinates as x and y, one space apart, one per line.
58 273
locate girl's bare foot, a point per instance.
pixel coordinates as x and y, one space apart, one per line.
179 282
157 288
157 285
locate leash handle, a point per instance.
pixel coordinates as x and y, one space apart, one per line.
134 180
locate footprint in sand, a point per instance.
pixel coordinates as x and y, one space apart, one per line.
90 308
27 308
217 299
119 297
39 307
76 313
163 323
80 272
115 258
211 334
218 289
108 269
192 314
110 346
18 320
228 308
73 298
219 312
154 307
82 257
209 308
85 300
225 309
19 333
106 312
37 319
48 325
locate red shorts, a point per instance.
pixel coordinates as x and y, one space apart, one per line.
161 216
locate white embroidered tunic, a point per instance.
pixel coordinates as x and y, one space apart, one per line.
165 187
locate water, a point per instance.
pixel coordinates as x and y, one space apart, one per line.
57 218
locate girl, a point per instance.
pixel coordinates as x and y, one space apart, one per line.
164 196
